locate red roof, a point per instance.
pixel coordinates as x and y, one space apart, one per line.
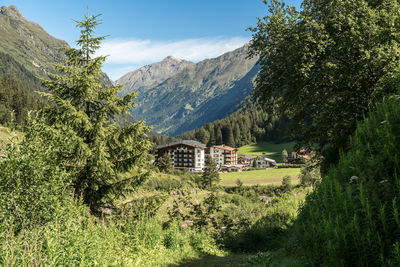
224 147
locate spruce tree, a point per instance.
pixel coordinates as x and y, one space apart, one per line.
210 174
218 136
164 163
106 160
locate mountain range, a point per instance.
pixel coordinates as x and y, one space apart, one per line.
174 95
177 95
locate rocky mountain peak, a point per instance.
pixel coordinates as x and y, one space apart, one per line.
11 12
171 59
152 74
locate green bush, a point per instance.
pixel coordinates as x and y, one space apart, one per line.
353 216
32 184
287 183
310 173
146 206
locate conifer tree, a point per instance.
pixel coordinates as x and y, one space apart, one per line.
227 135
106 160
210 174
164 163
218 136
284 155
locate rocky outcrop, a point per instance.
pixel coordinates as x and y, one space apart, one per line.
152 75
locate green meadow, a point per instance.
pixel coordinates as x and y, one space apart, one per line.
261 177
268 149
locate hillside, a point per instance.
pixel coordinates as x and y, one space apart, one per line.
28 43
27 54
197 94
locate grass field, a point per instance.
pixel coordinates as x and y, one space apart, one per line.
261 177
270 150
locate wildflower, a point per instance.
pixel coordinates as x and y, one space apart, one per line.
184 225
189 222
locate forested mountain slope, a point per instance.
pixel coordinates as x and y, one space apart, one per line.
27 54
250 123
200 93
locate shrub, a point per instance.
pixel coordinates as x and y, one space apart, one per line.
287 183
32 184
164 163
142 207
310 173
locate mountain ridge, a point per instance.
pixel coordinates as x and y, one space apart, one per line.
152 74
199 93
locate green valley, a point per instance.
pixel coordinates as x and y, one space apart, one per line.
197 162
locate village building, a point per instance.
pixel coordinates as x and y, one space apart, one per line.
232 168
185 155
299 157
246 161
263 163
222 155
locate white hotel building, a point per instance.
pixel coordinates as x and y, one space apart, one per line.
186 155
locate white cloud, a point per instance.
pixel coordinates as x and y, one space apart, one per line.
136 52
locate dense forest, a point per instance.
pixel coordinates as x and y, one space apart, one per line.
250 124
17 91
16 100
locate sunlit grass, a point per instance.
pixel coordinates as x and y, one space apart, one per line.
261 177
268 149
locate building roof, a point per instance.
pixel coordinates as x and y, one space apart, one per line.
270 160
266 159
246 157
224 147
191 143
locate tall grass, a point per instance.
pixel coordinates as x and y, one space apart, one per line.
76 238
352 218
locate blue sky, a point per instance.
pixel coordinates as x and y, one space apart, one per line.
145 31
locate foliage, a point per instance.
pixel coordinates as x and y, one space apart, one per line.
254 191
254 163
352 217
210 175
323 66
33 185
287 183
310 173
164 163
252 225
75 238
16 99
284 155
199 214
239 183
249 124
106 159
141 207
